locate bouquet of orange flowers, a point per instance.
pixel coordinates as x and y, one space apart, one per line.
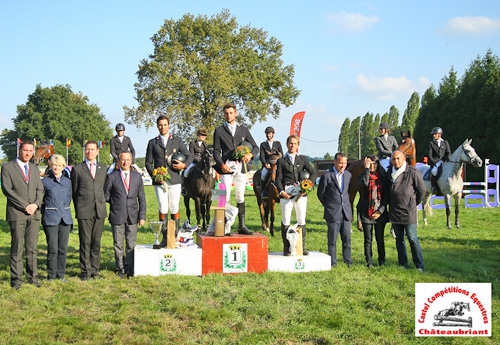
160 175
240 152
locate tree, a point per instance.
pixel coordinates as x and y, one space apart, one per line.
328 156
344 136
57 113
200 63
367 135
411 113
394 117
354 139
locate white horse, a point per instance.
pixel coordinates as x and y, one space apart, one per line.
450 182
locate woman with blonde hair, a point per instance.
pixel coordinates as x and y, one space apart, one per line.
56 216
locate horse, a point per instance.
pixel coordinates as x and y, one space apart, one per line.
199 184
267 206
43 152
450 182
407 146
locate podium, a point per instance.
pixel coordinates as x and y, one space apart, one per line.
159 262
314 262
233 254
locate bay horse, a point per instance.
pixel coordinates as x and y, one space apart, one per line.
43 152
267 206
407 146
450 182
199 185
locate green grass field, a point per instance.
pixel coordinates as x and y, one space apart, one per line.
341 306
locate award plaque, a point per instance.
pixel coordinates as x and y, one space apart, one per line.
156 227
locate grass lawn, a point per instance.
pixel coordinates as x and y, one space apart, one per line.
340 306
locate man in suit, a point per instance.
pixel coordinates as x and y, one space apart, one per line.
124 191
158 151
333 195
291 170
267 148
226 139
87 180
23 188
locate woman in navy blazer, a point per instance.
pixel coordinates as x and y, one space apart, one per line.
56 217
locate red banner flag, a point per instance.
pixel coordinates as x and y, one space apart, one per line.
296 124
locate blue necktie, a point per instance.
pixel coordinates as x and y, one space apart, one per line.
26 172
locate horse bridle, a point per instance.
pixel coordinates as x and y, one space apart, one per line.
409 148
471 159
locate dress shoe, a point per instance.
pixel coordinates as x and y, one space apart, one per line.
36 283
16 285
84 278
305 252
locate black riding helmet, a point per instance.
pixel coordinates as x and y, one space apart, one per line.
120 127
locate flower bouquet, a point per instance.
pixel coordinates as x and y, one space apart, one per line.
303 188
239 153
160 175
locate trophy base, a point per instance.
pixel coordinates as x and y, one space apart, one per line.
156 246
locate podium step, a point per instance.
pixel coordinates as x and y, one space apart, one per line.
159 262
315 261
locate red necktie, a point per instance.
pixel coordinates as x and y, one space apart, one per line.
92 170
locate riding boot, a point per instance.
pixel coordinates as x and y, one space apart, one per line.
183 189
304 250
161 218
177 218
286 244
242 229
433 184
263 187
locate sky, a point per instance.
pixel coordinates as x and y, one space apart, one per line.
350 57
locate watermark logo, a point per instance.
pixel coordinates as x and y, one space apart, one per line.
452 310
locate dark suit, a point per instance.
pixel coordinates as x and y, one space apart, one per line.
126 208
90 208
436 153
337 213
196 150
115 147
225 144
157 154
21 193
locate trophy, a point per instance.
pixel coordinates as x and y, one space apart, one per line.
156 227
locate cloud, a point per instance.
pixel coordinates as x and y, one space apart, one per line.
389 88
350 22
471 26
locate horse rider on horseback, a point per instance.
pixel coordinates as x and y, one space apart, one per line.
386 144
268 148
196 148
120 143
438 152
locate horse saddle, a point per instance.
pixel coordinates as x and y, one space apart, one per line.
427 175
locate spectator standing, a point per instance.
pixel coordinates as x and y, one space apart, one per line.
23 188
56 217
406 191
372 207
334 196
87 180
124 191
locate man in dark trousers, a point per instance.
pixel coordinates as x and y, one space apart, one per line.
23 188
124 191
226 139
168 194
334 196
438 152
267 148
406 191
87 180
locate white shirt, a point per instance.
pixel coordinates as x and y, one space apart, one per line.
340 178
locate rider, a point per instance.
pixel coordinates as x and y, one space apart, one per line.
386 144
267 148
438 152
196 148
120 143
